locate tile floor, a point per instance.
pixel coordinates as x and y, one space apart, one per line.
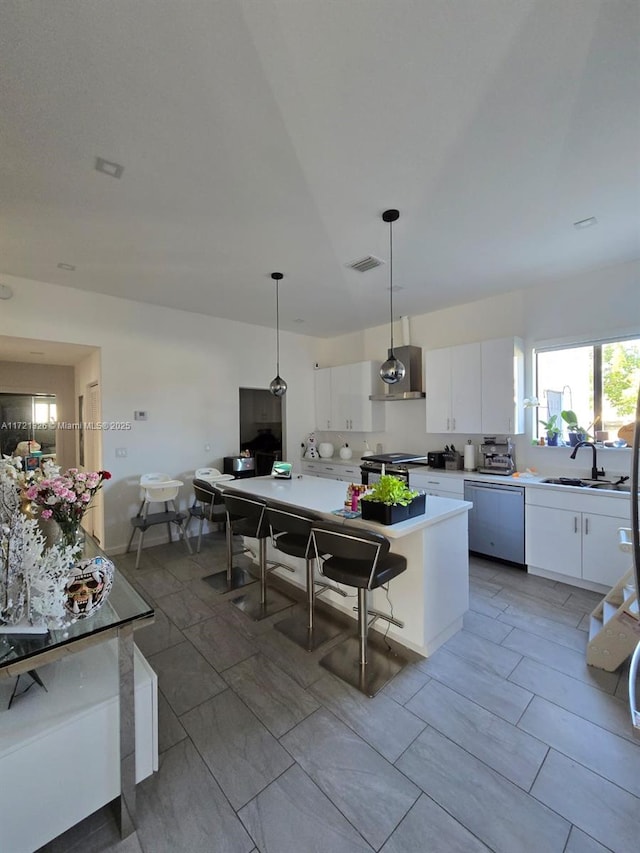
504 740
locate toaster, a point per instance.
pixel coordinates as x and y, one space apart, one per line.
436 458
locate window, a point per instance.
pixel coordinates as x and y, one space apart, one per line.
598 382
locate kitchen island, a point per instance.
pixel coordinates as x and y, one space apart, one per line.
431 597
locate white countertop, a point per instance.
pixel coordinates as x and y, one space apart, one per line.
324 496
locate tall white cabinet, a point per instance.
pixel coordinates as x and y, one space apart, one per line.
452 382
502 386
475 388
342 398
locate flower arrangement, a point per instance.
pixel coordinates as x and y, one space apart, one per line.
66 497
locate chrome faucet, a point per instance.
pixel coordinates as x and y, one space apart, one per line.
594 468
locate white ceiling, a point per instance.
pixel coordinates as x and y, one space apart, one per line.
261 135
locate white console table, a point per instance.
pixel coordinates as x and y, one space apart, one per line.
88 720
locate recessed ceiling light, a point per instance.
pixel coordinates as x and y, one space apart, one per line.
114 170
585 223
6 292
70 267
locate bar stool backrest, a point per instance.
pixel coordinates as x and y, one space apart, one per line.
247 510
292 526
362 548
205 495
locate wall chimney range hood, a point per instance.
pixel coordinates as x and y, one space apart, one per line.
409 388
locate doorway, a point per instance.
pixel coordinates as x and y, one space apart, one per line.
261 427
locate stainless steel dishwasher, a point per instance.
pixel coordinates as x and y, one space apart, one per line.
496 522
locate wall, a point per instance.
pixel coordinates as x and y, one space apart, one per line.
25 378
184 369
595 304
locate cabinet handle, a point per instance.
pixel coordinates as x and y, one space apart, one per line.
586 527
447 424
575 523
453 424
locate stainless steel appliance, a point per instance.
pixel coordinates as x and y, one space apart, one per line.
373 467
239 466
410 387
496 521
498 456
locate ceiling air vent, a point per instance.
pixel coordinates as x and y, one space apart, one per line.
365 264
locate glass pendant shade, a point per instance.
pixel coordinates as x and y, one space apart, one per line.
393 370
277 386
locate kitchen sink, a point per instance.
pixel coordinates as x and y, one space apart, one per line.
604 485
566 481
613 487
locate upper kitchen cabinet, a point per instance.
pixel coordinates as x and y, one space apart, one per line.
502 386
342 398
322 378
453 382
475 388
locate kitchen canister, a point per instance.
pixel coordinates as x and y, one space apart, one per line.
469 457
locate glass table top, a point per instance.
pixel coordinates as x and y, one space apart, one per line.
123 606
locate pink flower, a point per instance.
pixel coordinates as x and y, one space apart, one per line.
46 513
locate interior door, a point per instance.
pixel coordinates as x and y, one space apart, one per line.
93 521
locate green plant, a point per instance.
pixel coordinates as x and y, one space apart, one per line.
571 420
390 491
550 426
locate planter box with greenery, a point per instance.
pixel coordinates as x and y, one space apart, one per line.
391 501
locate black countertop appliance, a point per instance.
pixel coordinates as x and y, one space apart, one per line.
239 466
397 464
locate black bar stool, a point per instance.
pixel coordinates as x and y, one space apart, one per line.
246 516
361 559
234 577
291 533
207 506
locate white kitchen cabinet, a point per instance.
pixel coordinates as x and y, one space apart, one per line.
441 486
576 536
476 388
342 398
323 411
502 386
553 540
332 470
453 389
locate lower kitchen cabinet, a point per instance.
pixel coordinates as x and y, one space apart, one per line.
332 471
440 486
570 540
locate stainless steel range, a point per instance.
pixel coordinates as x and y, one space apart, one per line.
398 464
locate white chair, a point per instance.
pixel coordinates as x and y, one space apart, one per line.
212 475
158 488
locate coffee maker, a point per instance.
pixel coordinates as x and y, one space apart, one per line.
498 456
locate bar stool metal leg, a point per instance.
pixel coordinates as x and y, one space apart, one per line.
234 577
262 606
361 664
315 630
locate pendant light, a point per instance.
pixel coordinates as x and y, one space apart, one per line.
393 370
278 386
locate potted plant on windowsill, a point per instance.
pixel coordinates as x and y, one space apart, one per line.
576 433
552 430
391 501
